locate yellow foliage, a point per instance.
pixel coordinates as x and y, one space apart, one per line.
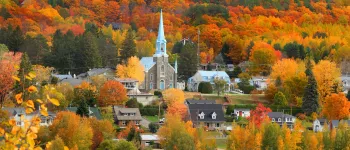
286 69
173 95
133 69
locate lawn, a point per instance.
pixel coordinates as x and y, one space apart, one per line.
151 118
221 143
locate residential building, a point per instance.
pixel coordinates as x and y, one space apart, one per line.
107 72
208 115
93 112
345 79
259 82
281 118
335 123
131 85
159 74
19 115
124 116
181 85
61 77
240 112
150 140
207 76
318 125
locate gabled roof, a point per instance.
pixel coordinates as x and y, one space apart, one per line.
213 73
62 76
72 81
279 115
147 62
126 80
98 71
118 113
94 111
149 137
208 110
189 101
13 111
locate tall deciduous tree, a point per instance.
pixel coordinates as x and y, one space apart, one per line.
258 115
327 75
129 46
188 61
336 107
280 99
133 69
219 85
310 99
112 93
173 95
262 59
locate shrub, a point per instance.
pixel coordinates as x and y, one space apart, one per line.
229 109
301 116
153 127
280 99
158 93
132 103
205 87
151 110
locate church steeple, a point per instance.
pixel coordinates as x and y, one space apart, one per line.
161 42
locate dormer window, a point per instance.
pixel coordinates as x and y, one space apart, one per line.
213 116
273 119
201 115
279 119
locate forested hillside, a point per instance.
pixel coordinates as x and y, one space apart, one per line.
79 34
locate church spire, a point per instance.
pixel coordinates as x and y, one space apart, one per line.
161 42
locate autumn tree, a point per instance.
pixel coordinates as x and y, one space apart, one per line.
73 130
258 115
280 99
173 134
173 95
8 62
84 92
42 74
133 69
112 93
220 85
262 59
327 75
102 130
311 95
25 68
336 107
129 46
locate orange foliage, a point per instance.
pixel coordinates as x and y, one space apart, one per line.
133 69
173 96
178 108
336 107
112 93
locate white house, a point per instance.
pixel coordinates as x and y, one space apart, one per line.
257 81
281 118
345 82
19 115
241 112
207 76
318 125
131 85
181 85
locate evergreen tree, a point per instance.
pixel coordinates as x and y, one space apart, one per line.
128 47
88 55
16 39
188 61
83 109
236 71
310 99
25 68
348 95
36 48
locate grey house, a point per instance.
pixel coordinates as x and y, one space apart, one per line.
318 125
281 118
209 115
159 74
124 116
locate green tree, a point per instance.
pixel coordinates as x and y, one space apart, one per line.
83 110
236 71
280 99
107 145
180 141
153 127
57 144
15 39
132 103
89 53
125 145
244 85
3 49
310 99
128 46
188 61
25 68
205 87
219 85
270 136
348 95
36 48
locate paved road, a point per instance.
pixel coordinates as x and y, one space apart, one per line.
144 122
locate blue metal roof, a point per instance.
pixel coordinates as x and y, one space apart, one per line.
222 74
147 62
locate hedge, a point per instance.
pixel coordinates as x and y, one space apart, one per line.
205 87
151 110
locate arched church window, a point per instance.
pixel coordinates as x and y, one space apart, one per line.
162 71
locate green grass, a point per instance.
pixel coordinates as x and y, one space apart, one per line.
236 98
151 118
221 143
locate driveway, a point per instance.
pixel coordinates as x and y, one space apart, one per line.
144 122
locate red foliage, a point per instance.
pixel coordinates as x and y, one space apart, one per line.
258 115
77 29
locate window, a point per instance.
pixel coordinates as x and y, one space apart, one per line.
170 85
151 77
213 116
162 71
279 119
125 114
217 124
123 123
201 115
137 122
273 119
132 114
19 123
150 85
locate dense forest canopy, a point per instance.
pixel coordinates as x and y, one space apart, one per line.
292 28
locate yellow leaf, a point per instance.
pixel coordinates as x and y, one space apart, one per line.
44 112
32 74
34 129
16 67
19 98
2 131
30 104
65 148
43 107
29 78
53 101
32 89
12 122
16 78
29 110
15 129
38 148
39 101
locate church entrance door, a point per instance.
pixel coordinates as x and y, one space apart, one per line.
162 85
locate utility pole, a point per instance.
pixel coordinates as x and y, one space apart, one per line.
198 58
